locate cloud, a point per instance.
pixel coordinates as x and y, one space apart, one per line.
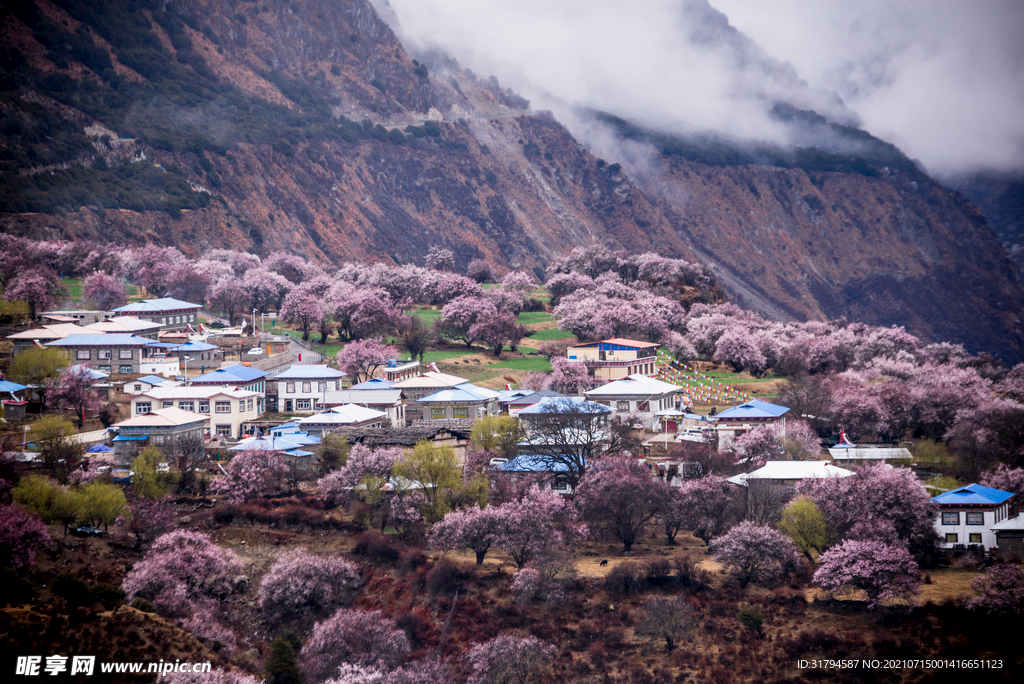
942 79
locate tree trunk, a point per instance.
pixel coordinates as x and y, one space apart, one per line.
480 556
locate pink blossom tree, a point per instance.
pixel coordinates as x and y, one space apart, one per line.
304 309
880 570
293 267
756 554
21 535
1005 478
498 331
507 301
518 280
990 432
148 519
569 377
469 528
564 284
217 675
710 505
738 347
109 292
680 347
362 358
229 296
480 270
440 258
877 493
460 315
538 524
182 571
73 390
189 281
300 581
757 446
362 462
1000 591
357 637
252 474
509 658
40 288
264 287
619 497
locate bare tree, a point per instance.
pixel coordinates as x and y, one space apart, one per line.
764 502
189 454
565 434
667 618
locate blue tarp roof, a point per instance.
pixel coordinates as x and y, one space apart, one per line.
754 409
972 495
98 449
130 438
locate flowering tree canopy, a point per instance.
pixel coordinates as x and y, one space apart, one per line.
538 524
360 359
710 506
508 658
300 580
518 280
1000 590
459 317
358 637
73 390
756 554
303 308
40 288
252 474
882 571
21 535
440 258
621 497
472 528
109 292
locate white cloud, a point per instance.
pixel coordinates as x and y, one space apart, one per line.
942 79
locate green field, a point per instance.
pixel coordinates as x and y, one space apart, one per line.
426 316
74 286
531 317
537 364
444 354
551 334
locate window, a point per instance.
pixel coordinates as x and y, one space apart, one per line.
302 404
143 407
437 413
975 518
622 405
224 431
321 387
186 405
223 407
951 518
83 355
204 407
290 388
168 404
248 405
124 369
138 387
126 353
643 406
974 537
103 354
159 439
461 412
560 486
951 537
307 387
105 369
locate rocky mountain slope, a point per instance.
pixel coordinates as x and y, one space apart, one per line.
307 127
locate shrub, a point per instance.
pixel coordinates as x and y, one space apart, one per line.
751 617
358 637
142 604
375 546
625 578
445 578
299 580
416 627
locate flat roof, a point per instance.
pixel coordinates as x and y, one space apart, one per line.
156 306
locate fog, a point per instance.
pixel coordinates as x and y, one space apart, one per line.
943 80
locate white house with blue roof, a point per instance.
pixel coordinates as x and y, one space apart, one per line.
170 313
967 515
302 388
111 353
748 416
243 377
462 401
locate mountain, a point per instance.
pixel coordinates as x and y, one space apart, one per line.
307 127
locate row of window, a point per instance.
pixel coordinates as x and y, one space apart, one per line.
457 412
172 320
103 354
120 369
308 387
204 406
973 538
953 518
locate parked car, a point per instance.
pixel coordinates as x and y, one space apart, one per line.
255 350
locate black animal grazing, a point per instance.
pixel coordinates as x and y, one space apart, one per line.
604 562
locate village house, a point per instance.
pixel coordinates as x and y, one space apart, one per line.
454 434
128 324
549 476
417 387
637 396
514 401
741 419
967 516
462 401
114 353
201 355
615 358
146 383
296 448
227 407
170 313
391 401
765 491
237 375
37 337
84 317
302 389
349 415
1010 537
159 428
15 406
396 371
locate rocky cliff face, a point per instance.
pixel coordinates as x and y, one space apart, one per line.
306 127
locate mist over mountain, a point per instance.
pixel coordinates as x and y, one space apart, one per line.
309 127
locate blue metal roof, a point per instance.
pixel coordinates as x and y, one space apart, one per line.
155 306
564 404
194 346
754 408
373 383
531 463
972 495
461 393
230 375
151 379
8 386
130 438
